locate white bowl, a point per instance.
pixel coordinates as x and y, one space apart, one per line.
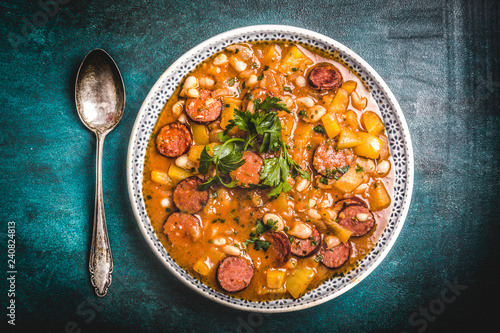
399 143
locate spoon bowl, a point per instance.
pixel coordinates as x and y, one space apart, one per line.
100 102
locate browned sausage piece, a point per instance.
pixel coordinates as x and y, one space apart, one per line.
306 247
182 229
234 273
280 245
248 173
357 219
187 197
343 203
336 256
332 162
173 140
252 95
203 109
325 76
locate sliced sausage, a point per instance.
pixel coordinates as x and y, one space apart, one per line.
182 229
187 197
336 256
174 140
325 76
252 95
343 203
203 109
234 273
357 219
280 246
306 247
332 162
249 173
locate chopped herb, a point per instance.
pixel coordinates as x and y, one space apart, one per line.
255 65
228 105
232 81
336 148
375 185
218 220
323 180
285 88
359 169
148 197
290 238
344 169
214 194
302 113
260 77
309 146
319 129
244 84
168 210
257 244
266 67
210 241
294 69
318 258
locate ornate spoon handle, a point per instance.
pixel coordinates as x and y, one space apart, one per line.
101 261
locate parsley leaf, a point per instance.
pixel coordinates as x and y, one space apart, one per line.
257 244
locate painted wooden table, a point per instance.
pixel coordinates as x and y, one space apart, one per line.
440 58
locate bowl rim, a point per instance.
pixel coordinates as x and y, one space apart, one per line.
390 96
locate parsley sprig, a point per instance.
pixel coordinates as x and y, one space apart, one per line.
226 158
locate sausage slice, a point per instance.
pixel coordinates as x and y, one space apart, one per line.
248 173
252 95
173 140
324 76
280 245
182 229
203 109
336 256
306 247
343 203
357 219
234 273
187 197
331 162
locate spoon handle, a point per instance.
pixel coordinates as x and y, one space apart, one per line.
101 261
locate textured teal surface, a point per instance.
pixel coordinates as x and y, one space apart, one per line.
440 59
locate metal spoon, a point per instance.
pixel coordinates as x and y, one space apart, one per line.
100 101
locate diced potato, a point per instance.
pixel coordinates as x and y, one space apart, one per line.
281 202
370 145
297 283
292 59
232 100
351 120
349 181
287 124
326 101
349 86
348 139
161 177
358 102
341 233
331 125
378 198
340 102
200 134
195 153
208 262
272 54
275 278
372 122
177 174
230 104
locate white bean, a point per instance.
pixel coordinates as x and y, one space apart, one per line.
300 230
219 241
300 81
279 226
302 185
252 80
237 64
313 213
177 108
331 241
314 114
221 59
206 82
191 82
165 202
182 119
312 203
307 102
383 167
184 162
231 250
193 93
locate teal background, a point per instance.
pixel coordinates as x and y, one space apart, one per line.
440 59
